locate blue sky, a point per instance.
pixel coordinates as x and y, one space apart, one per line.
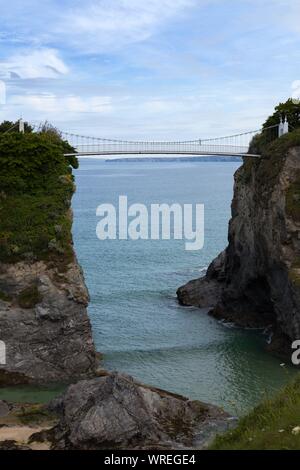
155 69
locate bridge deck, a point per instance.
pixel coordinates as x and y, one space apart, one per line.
157 152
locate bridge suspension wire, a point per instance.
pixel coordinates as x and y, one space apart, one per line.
230 145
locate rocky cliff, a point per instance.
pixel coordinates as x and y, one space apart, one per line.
44 324
255 282
43 297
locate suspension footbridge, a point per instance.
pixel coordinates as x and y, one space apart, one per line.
233 145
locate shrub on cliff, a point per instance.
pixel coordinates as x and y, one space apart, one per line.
30 163
289 109
273 156
273 425
36 186
10 126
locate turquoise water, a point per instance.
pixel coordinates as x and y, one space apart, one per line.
137 322
31 393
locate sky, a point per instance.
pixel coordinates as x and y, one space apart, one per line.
148 69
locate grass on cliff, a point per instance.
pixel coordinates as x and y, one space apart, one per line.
36 187
273 425
267 168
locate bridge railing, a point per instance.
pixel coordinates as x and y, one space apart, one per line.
231 145
161 148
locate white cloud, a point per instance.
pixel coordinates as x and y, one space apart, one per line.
40 63
89 26
171 68
105 25
53 106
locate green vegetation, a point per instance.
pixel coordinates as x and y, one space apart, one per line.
274 156
275 424
290 109
36 187
29 297
9 126
267 168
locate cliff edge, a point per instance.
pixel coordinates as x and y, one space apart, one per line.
43 298
255 282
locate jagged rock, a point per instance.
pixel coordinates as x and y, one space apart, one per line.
204 292
256 281
116 412
51 341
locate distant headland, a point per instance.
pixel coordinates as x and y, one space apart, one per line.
175 159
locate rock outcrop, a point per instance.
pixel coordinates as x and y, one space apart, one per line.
43 298
44 324
116 412
255 282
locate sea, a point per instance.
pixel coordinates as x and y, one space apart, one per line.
137 323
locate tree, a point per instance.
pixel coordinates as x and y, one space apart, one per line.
289 109
36 187
10 126
51 133
55 135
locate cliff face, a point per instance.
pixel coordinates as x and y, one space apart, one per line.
44 324
43 297
256 280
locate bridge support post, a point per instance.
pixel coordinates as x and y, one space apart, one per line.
286 126
21 126
283 127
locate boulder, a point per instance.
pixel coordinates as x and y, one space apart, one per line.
116 412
